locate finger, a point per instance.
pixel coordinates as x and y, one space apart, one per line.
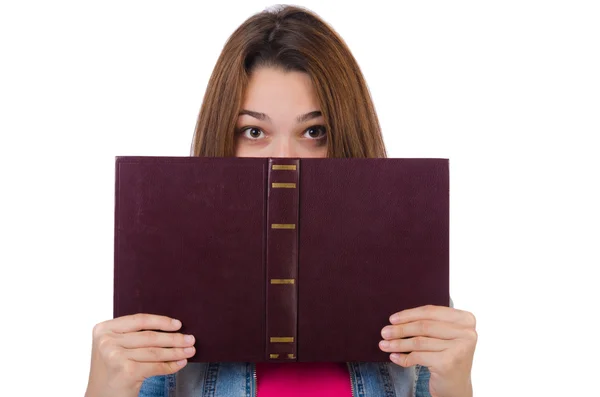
419 343
426 359
433 329
160 354
438 313
134 340
157 369
142 321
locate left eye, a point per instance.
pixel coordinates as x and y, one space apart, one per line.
315 131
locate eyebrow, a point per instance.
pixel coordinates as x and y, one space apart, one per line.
300 119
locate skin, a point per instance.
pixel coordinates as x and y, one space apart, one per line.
279 118
282 98
438 337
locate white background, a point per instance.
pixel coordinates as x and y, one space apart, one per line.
508 90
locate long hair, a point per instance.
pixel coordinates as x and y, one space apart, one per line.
292 39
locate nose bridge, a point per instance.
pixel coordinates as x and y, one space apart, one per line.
284 146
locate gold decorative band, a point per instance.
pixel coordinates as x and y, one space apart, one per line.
273 355
284 185
283 167
282 281
283 226
291 356
282 339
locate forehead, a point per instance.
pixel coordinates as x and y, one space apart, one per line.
273 88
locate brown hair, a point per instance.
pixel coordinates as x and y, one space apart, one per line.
293 39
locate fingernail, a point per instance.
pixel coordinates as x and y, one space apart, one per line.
384 344
188 338
386 332
188 350
394 318
176 323
181 363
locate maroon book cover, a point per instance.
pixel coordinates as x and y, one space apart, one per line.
281 259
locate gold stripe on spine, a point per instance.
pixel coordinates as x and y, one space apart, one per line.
282 339
273 355
281 167
283 226
291 356
283 281
284 185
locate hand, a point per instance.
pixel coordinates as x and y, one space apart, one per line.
125 351
441 338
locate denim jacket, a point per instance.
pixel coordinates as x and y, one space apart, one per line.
367 379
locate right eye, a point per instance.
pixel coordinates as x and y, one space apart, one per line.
254 133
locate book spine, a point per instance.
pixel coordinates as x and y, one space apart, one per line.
282 259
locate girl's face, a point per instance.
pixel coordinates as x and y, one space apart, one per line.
280 117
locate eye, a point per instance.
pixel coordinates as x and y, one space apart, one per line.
316 132
254 132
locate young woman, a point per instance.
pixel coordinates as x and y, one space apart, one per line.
286 85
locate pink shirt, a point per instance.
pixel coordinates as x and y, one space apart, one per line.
302 379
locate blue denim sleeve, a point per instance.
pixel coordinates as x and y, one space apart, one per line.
154 387
423 375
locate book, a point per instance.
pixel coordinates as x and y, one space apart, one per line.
281 259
